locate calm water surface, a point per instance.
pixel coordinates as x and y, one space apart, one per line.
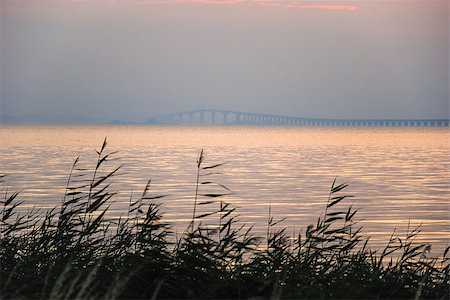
397 175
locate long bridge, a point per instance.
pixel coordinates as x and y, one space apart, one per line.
228 117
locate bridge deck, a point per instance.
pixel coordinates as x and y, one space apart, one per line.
215 117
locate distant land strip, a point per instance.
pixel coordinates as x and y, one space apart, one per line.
227 117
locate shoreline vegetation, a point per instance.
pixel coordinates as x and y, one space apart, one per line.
75 251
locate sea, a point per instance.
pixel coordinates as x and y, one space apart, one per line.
399 177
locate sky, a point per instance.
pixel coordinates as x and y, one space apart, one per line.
136 59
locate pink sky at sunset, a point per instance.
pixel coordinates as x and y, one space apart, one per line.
292 4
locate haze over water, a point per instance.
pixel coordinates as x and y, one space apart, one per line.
396 175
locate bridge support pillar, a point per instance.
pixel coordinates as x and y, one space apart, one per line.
202 117
213 117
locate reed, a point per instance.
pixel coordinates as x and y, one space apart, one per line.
74 251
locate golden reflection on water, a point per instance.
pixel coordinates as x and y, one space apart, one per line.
160 136
397 175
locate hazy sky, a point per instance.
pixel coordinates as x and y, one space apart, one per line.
134 59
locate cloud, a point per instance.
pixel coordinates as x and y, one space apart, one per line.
292 4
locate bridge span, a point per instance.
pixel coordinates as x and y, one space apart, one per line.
227 117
